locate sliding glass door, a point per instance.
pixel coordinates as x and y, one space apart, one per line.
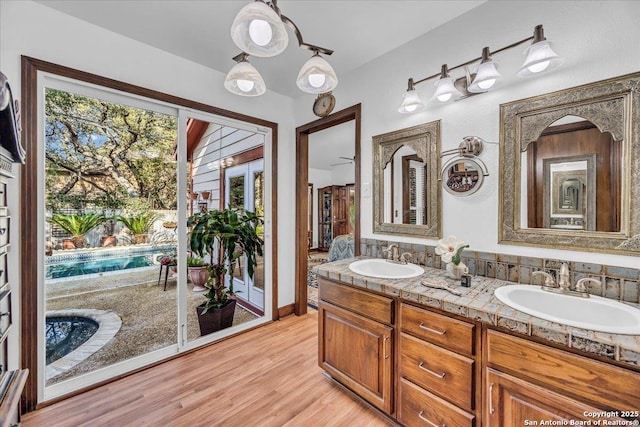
120 176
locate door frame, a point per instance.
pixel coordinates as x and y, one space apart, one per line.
31 67
302 181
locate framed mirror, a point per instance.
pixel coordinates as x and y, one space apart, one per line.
570 168
406 194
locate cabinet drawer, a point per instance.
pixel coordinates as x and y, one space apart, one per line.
418 407
440 371
3 268
4 230
598 382
453 334
5 310
3 196
367 304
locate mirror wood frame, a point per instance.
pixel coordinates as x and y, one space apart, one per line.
612 105
424 139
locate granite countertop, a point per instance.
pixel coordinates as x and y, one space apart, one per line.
478 303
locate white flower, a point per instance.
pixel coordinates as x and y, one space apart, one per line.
448 248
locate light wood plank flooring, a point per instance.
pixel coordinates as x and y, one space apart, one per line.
265 377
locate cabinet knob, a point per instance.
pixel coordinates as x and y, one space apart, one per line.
3 230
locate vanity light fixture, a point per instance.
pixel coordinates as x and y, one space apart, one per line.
259 30
540 59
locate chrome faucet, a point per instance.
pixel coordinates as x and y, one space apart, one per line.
564 283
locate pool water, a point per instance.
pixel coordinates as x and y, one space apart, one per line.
80 268
66 333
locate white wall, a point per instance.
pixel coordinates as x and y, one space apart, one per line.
597 39
28 28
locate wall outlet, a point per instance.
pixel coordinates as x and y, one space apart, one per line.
366 189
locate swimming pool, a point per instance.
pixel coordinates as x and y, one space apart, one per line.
66 333
81 264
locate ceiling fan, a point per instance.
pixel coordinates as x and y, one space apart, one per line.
349 160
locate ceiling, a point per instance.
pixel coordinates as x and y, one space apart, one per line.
358 31
328 147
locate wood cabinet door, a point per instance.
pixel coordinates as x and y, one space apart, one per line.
358 352
511 401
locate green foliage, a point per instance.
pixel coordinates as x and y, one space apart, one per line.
230 235
193 261
140 223
77 224
97 150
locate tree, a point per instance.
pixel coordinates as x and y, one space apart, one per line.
97 151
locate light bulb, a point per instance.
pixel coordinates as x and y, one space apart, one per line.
245 85
444 97
260 32
487 83
539 67
317 80
411 108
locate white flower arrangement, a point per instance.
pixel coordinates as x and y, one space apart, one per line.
450 249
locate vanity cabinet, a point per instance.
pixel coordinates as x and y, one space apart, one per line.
356 341
437 369
529 381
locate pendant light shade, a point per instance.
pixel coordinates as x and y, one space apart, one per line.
259 31
317 76
540 56
486 75
243 79
411 101
445 87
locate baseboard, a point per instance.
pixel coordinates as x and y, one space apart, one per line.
286 310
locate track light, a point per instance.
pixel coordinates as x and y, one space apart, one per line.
540 59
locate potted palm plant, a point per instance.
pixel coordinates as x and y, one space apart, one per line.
225 236
139 225
77 225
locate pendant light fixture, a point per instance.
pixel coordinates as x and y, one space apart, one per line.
445 87
540 56
316 76
259 30
540 59
411 101
243 79
486 75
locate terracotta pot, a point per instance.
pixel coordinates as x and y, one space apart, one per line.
140 238
216 318
194 196
68 244
106 241
206 194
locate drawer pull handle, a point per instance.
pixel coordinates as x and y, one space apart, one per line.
8 313
435 374
429 422
435 331
491 408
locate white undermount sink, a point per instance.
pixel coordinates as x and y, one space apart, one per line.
593 313
384 269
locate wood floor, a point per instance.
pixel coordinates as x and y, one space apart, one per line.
265 377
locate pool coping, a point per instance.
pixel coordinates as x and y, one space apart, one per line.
109 324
